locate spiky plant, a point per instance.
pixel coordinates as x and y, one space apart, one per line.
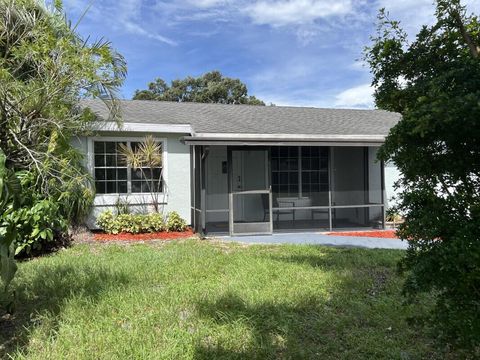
148 155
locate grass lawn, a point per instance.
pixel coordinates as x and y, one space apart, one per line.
207 300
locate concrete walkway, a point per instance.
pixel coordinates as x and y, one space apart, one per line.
320 239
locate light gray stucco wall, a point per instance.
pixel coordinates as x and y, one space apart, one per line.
178 181
392 174
80 143
176 172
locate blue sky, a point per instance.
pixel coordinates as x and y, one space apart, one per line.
289 52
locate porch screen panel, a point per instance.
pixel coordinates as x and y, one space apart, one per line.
192 187
300 182
356 188
349 176
285 171
375 214
197 204
314 174
344 218
216 189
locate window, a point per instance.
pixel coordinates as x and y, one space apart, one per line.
300 172
113 176
285 170
314 170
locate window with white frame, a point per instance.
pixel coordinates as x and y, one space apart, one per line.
300 172
114 176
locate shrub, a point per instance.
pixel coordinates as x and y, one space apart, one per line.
38 224
107 222
175 222
434 82
156 222
137 223
38 221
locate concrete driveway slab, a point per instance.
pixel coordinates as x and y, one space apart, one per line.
320 239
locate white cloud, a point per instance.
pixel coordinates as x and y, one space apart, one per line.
415 13
356 97
207 3
134 28
412 13
296 12
122 16
127 16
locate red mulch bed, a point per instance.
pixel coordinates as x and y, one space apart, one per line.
388 234
141 237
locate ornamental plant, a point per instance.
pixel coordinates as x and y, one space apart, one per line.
139 223
147 156
36 225
175 222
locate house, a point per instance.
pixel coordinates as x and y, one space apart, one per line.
242 169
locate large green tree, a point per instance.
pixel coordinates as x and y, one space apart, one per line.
46 68
211 87
434 82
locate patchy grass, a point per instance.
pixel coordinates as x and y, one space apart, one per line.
207 300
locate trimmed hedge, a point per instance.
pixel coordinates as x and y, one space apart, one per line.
140 223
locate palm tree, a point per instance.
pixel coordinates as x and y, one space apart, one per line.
145 158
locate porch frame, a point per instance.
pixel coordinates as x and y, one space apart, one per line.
198 149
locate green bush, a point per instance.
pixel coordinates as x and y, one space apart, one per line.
106 222
138 223
433 83
37 224
38 221
156 222
175 222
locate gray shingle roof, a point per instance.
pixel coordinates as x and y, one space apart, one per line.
245 119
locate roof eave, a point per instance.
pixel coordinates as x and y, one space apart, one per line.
284 139
111 126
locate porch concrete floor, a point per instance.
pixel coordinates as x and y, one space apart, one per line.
320 239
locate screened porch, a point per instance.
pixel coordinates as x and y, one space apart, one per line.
264 189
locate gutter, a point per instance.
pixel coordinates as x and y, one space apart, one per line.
283 139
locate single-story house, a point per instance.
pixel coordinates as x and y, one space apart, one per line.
240 169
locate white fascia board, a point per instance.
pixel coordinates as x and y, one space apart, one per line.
143 127
281 143
287 137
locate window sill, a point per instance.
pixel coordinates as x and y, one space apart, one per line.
131 199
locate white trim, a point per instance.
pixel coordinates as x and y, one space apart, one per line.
90 157
133 198
194 141
143 127
318 137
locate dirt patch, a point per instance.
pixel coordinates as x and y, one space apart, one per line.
80 234
388 234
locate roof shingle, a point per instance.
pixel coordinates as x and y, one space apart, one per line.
247 119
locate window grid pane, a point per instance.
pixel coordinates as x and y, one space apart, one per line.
314 170
112 175
285 168
145 179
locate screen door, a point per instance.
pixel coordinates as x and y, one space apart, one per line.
250 192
